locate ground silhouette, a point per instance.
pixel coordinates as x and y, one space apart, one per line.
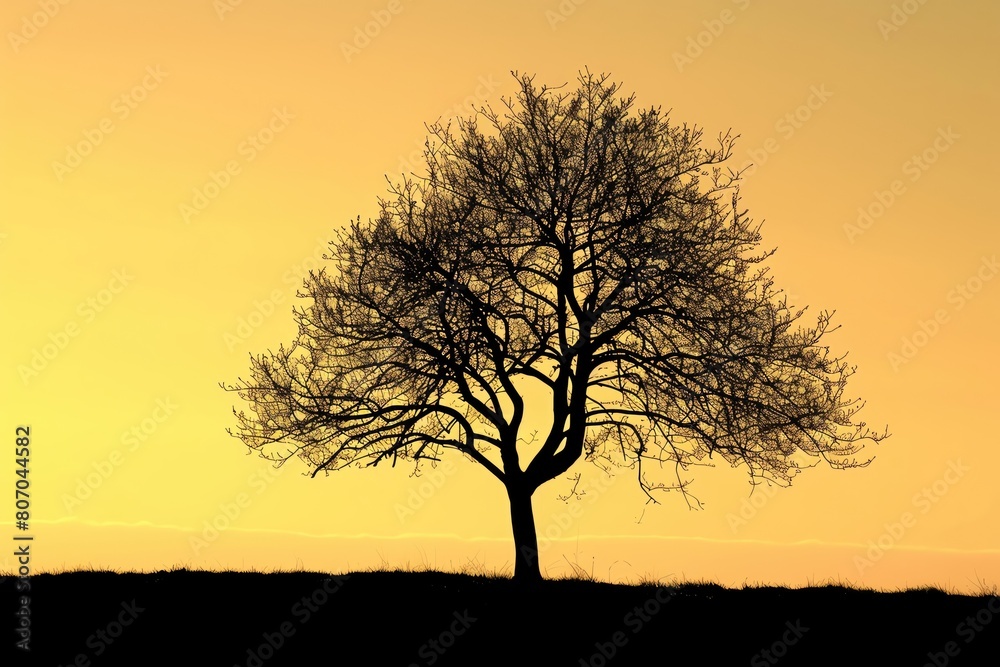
430 618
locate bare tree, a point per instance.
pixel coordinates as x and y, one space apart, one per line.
569 245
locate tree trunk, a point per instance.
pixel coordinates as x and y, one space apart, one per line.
522 521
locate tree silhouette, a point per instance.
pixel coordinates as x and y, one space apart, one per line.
570 245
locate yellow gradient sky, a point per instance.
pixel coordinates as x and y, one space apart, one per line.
170 170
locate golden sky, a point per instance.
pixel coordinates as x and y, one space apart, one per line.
170 171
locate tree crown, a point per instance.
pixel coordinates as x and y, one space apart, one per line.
572 243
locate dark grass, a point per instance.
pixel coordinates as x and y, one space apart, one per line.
388 618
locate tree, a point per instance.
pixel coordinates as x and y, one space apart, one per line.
575 245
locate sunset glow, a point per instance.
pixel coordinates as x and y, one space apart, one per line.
172 171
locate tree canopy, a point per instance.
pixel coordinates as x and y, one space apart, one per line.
568 246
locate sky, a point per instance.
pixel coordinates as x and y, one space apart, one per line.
170 171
